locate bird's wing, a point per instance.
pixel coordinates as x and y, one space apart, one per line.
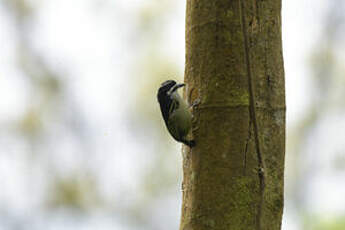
173 128
173 106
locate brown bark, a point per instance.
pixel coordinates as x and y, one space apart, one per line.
233 178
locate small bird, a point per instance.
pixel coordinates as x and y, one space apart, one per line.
175 112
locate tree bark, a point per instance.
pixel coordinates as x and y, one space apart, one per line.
233 178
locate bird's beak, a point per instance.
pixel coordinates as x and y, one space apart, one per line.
175 87
180 85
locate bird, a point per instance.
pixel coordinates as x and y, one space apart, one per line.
175 111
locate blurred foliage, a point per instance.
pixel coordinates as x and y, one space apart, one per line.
43 124
147 23
77 192
45 95
152 67
327 69
324 223
22 9
31 123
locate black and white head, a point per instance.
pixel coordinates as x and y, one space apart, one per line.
165 88
176 115
165 91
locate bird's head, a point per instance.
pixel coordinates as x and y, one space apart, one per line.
168 87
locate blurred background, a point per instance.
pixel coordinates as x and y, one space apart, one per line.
82 143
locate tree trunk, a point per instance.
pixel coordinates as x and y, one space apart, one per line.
233 178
